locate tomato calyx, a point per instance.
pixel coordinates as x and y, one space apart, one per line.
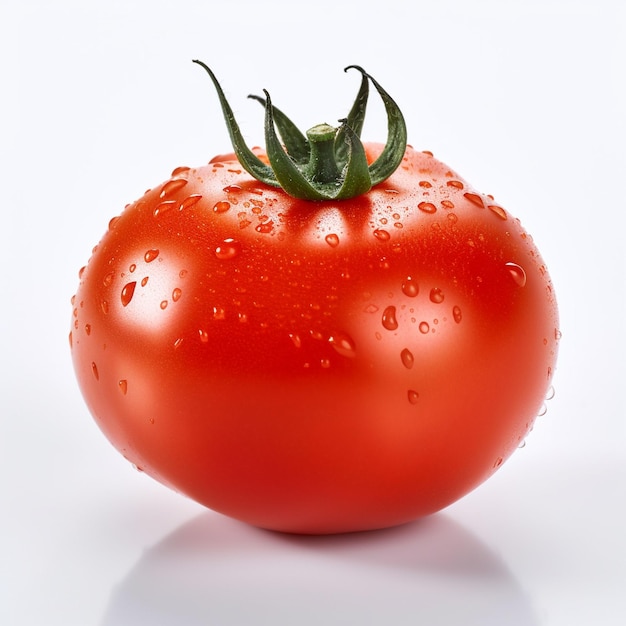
326 163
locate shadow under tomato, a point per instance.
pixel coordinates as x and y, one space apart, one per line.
213 570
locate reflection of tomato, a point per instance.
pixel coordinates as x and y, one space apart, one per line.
316 366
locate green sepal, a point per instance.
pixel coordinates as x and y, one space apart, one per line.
327 164
295 142
390 158
249 161
355 120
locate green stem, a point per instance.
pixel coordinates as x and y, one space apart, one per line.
330 163
322 167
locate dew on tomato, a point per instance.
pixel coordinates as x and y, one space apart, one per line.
382 235
410 287
407 358
190 201
498 210
389 319
150 255
127 293
343 344
228 249
332 240
221 206
427 207
171 186
436 295
517 273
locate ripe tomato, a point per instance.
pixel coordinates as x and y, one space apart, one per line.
316 366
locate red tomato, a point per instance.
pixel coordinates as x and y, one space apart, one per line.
316 367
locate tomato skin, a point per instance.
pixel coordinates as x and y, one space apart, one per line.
316 367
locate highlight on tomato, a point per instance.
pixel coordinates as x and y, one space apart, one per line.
321 336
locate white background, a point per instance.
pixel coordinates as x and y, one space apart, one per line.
101 101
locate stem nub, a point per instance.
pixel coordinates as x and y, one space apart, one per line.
328 163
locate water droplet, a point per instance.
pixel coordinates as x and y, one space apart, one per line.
498 462
410 288
150 255
517 273
475 199
542 411
389 320
265 227
144 281
381 235
94 371
436 295
370 308
332 240
407 358
104 306
425 184
232 188
295 339
123 386
446 204
88 329
498 210
221 207
456 314
219 313
108 279
204 336
522 444
424 327
172 186
229 249
162 207
163 305
132 267
557 334
325 363
183 169
176 294
453 218
413 396
457 184
550 393
343 344
427 207
127 293
187 203
81 271
178 342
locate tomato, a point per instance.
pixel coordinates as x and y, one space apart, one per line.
316 366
